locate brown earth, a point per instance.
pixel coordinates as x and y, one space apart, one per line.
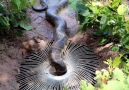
13 51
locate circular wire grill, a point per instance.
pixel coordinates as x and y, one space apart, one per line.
35 73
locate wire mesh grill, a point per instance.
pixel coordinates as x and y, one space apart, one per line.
35 73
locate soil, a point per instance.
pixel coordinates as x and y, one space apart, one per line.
14 50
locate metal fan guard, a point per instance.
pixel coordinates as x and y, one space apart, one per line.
35 72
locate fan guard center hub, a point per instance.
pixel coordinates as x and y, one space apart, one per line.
50 73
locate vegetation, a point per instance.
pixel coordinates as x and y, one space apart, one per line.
13 15
115 78
110 20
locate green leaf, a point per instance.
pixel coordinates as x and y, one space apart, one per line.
81 8
125 40
103 19
111 22
86 13
30 2
118 75
115 3
90 87
23 5
109 62
83 85
103 41
122 9
25 26
2 8
107 10
17 3
86 86
128 79
73 3
117 61
113 85
115 48
14 21
4 22
94 9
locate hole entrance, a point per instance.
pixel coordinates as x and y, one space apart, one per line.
57 71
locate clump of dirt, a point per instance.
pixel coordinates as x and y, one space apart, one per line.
13 51
34 45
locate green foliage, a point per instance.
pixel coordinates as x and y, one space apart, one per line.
86 86
116 48
122 9
110 19
116 77
13 14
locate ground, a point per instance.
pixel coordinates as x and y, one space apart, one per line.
13 50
